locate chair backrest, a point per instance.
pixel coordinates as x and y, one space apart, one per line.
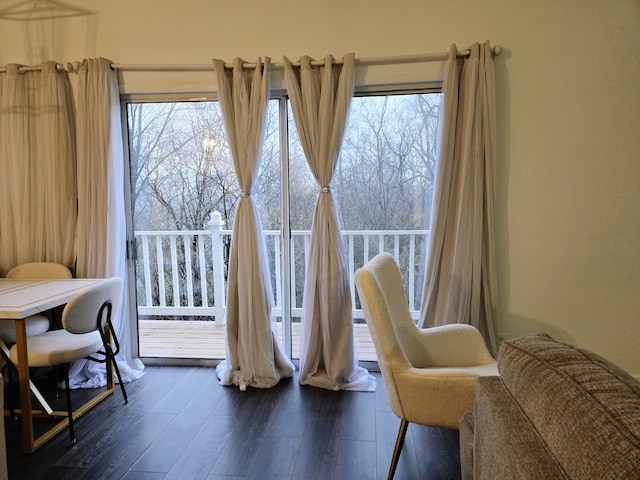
384 303
40 270
81 314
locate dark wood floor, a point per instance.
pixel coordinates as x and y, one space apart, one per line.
180 424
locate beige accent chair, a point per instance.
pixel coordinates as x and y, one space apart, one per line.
429 374
87 333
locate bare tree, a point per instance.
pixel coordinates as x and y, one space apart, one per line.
182 171
387 162
180 165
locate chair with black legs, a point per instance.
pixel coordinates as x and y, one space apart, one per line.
87 333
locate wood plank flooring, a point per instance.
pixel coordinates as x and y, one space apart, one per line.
205 340
180 424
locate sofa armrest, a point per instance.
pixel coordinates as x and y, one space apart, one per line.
506 444
466 446
3 446
585 409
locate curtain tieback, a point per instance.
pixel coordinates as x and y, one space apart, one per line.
244 194
325 189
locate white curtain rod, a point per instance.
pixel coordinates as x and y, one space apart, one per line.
359 62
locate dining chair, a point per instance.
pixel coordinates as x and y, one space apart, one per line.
87 333
38 323
429 374
35 324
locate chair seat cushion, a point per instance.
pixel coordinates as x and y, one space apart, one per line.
59 346
36 324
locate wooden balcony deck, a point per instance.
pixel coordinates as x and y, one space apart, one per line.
205 340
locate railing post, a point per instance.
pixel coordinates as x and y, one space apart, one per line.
215 224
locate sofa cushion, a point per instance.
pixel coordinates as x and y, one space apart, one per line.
585 409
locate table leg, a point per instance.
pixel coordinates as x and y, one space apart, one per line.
37 396
25 390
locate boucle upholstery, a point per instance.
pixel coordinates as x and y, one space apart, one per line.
555 412
429 374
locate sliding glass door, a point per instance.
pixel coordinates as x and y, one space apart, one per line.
184 194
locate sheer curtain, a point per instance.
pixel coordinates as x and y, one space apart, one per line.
101 235
38 165
61 188
460 283
320 100
253 355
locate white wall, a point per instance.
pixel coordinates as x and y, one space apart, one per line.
568 123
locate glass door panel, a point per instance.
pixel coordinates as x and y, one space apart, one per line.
184 195
383 186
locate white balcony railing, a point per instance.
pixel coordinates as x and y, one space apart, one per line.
182 273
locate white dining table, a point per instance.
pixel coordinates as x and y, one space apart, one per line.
18 300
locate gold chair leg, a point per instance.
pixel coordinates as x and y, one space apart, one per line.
398 448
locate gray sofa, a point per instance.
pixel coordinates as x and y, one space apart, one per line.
555 412
3 445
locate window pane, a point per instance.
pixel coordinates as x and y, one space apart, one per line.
180 165
184 196
383 185
387 167
185 193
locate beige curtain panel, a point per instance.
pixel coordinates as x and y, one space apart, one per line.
320 101
38 165
101 220
61 187
460 282
101 236
253 355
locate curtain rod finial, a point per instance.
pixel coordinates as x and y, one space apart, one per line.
497 50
